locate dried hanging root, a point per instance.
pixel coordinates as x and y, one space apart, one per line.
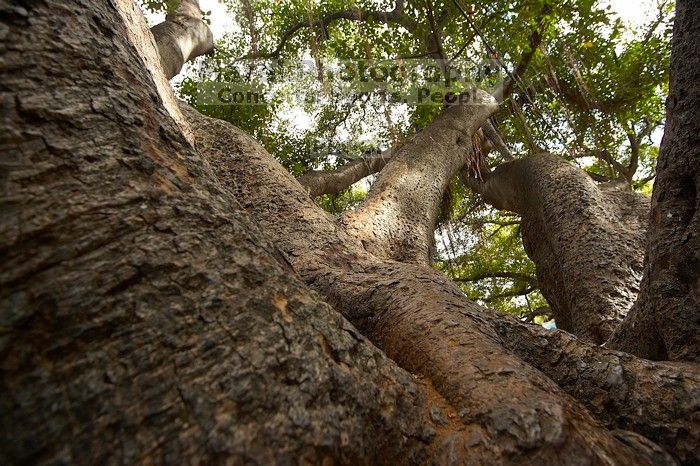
475 158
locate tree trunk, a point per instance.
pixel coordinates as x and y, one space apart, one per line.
507 411
585 241
397 220
182 37
153 307
665 323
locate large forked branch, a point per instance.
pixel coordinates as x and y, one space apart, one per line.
182 37
395 16
320 182
425 323
397 220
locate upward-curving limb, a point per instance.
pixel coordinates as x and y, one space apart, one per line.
397 219
182 37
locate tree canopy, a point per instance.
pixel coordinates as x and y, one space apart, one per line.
592 92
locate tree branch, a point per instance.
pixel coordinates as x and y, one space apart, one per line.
506 89
635 139
604 155
657 400
574 96
492 134
395 16
320 182
566 216
539 312
182 37
398 217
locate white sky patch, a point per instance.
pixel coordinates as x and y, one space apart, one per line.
634 13
221 19
298 118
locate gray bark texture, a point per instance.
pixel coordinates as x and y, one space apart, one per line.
319 182
665 323
182 37
587 243
170 294
397 219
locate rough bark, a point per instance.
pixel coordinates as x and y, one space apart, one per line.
585 241
144 317
665 323
319 182
659 400
182 37
397 219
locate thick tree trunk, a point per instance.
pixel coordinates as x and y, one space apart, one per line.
585 242
665 323
423 322
151 310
